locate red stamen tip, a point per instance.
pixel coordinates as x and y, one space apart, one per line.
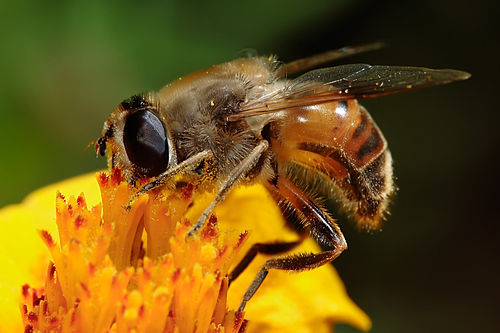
52 270
222 251
92 269
81 201
103 178
176 274
187 192
242 238
25 290
238 318
36 300
116 176
79 221
47 238
210 231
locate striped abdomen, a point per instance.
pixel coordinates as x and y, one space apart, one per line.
342 142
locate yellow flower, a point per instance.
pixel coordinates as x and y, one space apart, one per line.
90 265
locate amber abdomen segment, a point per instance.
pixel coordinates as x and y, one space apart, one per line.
342 142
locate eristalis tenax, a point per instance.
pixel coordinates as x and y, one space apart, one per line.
247 121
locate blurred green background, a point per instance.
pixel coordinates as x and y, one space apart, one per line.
435 268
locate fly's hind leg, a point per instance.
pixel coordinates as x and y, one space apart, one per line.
313 219
300 262
262 248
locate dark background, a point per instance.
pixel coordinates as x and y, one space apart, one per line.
434 268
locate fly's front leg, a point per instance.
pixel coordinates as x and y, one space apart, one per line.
238 173
163 178
311 218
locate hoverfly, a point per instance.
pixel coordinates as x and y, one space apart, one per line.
245 121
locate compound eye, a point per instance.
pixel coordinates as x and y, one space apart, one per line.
146 144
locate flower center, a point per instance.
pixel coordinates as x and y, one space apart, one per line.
117 269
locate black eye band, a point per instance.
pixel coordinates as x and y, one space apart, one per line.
146 143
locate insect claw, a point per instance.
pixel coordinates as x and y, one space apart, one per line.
196 228
128 206
190 234
133 198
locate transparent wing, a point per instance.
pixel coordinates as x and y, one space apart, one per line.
301 65
349 82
